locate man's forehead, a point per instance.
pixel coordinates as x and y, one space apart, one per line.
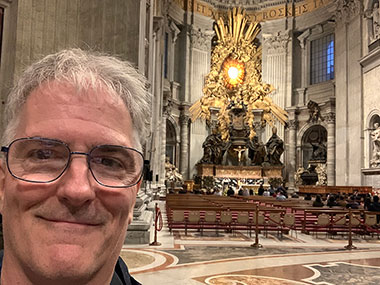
63 92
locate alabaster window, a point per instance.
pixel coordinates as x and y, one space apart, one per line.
1 29
322 59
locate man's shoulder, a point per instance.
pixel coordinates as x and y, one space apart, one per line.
121 275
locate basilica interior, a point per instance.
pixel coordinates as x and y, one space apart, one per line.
275 96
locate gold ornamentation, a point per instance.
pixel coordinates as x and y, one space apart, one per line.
235 77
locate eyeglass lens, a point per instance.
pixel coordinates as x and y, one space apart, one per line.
44 160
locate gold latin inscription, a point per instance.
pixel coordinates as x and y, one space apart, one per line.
277 12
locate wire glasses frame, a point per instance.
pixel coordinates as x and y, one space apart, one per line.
44 160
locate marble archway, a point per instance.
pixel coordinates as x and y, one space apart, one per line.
172 142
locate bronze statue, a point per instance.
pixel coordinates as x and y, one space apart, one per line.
213 148
256 151
314 112
275 148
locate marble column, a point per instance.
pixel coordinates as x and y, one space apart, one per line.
155 156
292 124
330 118
163 149
184 156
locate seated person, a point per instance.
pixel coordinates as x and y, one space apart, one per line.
331 202
318 202
308 197
280 196
272 190
245 192
375 207
230 191
352 203
342 201
261 190
367 203
182 191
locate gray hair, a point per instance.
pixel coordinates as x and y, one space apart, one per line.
84 70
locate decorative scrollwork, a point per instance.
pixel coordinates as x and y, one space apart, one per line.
330 118
347 9
292 124
277 43
200 39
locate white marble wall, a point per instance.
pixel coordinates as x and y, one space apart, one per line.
349 139
371 107
200 66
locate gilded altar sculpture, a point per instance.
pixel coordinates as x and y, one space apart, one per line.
234 87
235 79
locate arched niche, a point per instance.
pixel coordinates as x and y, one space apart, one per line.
369 11
372 120
315 134
172 140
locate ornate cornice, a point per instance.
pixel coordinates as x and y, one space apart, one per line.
200 39
174 30
330 118
347 9
158 23
277 43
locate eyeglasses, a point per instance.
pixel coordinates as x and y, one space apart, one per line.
42 160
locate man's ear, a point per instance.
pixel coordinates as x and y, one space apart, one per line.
2 182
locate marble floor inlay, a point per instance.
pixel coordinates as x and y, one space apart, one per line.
344 273
228 259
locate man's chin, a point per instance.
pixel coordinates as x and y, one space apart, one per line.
68 261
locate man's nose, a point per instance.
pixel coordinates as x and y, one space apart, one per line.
76 185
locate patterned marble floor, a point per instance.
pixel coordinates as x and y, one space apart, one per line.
229 259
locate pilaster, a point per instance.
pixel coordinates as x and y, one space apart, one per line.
200 53
277 70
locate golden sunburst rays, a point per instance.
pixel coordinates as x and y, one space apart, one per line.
236 29
235 76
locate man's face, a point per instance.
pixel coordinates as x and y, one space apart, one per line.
72 228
